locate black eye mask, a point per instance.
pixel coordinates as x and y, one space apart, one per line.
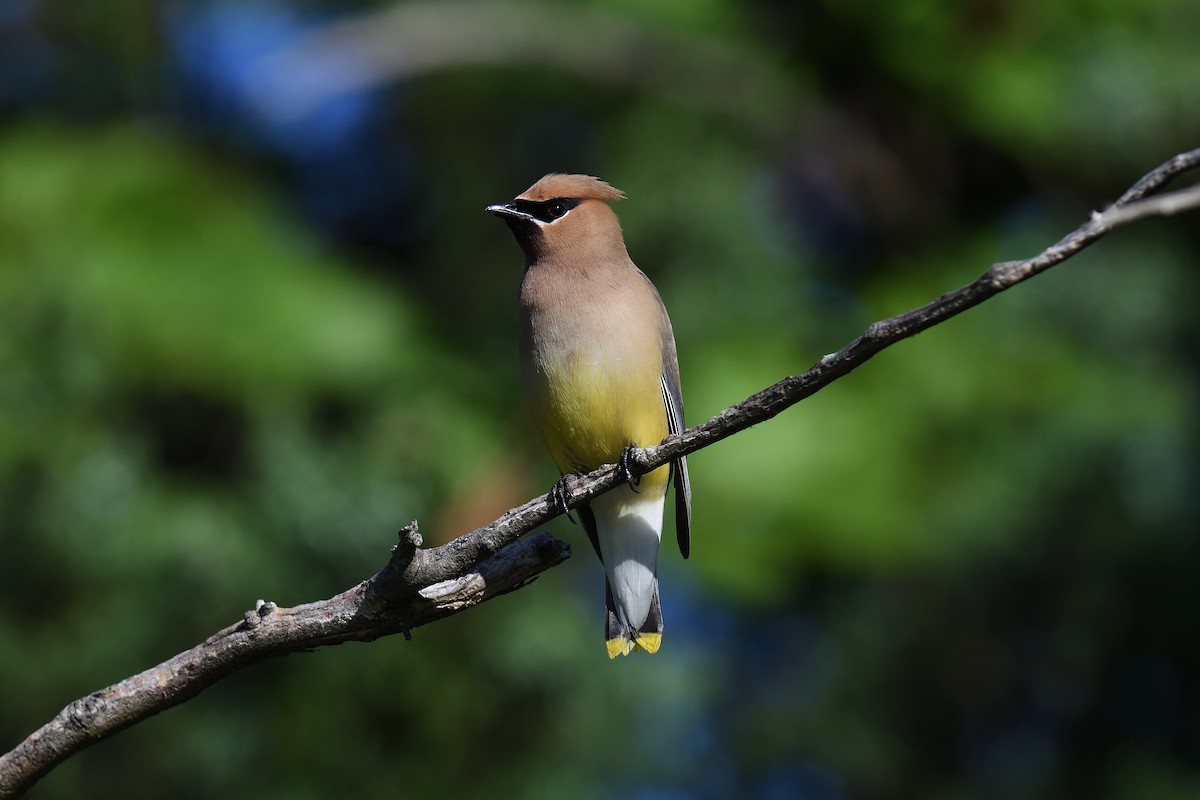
547 210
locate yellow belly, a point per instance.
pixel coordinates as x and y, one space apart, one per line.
591 406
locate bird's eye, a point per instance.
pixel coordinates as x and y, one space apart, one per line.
556 208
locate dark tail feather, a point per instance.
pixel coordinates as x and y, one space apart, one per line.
620 638
588 518
653 626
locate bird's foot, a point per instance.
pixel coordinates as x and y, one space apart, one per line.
559 495
624 471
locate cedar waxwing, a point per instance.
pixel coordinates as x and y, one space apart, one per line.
601 374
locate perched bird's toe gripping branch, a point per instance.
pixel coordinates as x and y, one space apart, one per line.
600 371
625 471
559 494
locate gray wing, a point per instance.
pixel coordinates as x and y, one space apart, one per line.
673 400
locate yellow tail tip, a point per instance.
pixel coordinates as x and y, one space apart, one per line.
649 641
623 646
619 647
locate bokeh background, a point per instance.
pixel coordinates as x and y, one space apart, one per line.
253 319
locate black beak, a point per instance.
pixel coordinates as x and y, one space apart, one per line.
509 211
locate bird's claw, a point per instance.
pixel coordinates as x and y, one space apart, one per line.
559 495
624 471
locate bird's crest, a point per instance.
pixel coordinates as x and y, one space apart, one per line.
580 187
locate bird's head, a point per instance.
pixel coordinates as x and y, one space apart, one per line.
563 213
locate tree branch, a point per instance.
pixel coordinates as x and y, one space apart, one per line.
419 586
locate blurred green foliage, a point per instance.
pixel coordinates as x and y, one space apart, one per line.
965 570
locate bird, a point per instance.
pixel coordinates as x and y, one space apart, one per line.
601 376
